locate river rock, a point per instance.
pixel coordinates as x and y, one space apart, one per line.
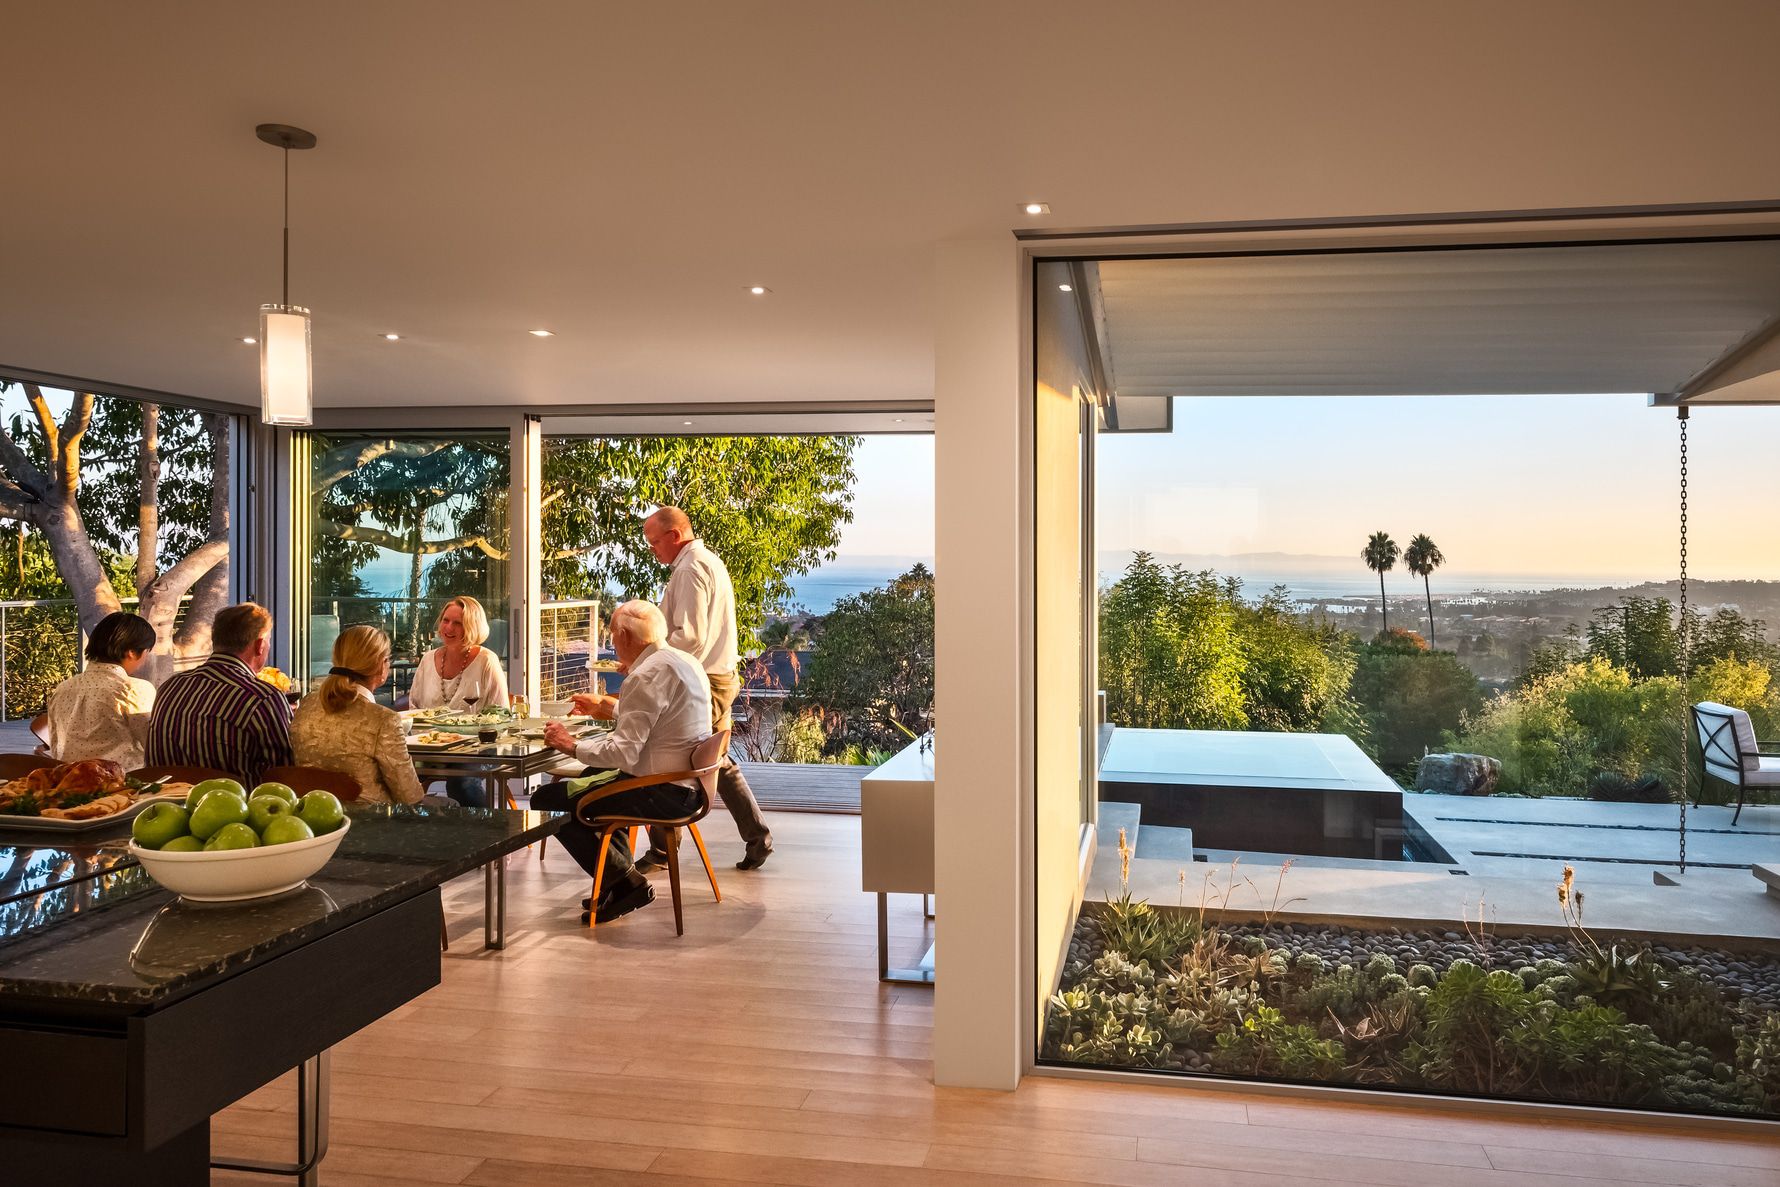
1458 774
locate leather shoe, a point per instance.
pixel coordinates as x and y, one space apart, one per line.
626 900
756 855
651 861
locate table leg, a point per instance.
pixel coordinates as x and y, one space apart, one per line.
312 1129
921 974
494 903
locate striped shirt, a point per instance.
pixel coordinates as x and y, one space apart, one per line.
220 715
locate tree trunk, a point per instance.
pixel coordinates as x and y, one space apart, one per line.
210 592
1429 594
77 561
1384 611
148 498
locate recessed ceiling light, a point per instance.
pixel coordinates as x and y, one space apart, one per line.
542 333
759 290
896 420
1065 288
251 341
392 337
1037 208
685 422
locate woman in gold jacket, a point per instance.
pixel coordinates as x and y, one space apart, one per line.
340 727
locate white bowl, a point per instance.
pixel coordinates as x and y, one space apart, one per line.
230 874
556 708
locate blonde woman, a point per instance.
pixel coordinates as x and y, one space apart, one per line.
339 726
461 674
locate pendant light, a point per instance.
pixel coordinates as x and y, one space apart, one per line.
287 382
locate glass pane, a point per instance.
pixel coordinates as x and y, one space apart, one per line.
1424 769
398 525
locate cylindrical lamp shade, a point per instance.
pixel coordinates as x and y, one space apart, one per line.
287 387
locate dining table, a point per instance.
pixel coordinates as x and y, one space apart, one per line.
129 1017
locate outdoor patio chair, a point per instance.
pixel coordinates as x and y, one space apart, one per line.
707 759
17 766
1729 751
302 779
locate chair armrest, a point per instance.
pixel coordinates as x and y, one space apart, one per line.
594 794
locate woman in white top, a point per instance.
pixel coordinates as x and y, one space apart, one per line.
103 711
461 674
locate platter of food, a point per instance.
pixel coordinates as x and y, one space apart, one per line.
436 738
464 723
78 796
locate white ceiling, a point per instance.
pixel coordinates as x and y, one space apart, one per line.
1631 318
619 173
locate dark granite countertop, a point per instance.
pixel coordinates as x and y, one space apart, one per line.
115 939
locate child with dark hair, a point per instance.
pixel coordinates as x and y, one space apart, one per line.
103 712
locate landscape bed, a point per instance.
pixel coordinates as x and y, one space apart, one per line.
1461 1012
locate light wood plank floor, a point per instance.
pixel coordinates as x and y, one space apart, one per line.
560 1061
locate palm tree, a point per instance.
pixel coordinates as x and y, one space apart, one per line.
1422 557
1380 555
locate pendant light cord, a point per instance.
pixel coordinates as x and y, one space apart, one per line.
287 227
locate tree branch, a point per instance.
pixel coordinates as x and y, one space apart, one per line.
80 416
338 464
31 481
397 542
46 423
173 584
148 497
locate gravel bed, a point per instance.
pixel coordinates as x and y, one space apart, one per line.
1754 976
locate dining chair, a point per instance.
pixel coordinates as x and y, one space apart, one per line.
304 779
707 760
40 730
17 766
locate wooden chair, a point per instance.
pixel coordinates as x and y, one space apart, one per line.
302 779
1729 751
707 759
40 729
17 766
174 773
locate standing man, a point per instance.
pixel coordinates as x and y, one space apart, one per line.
699 605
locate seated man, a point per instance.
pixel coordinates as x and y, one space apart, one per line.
664 714
221 714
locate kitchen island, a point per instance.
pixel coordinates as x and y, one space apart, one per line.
128 1017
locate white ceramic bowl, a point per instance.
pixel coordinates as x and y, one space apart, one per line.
556 708
230 874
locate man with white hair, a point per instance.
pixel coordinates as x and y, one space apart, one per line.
664 714
699 604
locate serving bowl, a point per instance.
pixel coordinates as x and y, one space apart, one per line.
228 875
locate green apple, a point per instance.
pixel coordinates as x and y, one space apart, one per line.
159 823
232 836
282 830
321 811
283 791
196 795
216 809
184 843
263 809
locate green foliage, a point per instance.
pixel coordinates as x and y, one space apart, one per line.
1758 1062
1182 650
1133 929
1639 635
872 667
771 507
1268 1045
1630 981
1411 698
1615 788
800 737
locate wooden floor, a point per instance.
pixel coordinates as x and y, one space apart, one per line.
761 1049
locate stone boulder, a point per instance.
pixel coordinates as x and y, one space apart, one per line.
1458 774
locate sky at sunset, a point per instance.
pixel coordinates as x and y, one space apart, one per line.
1552 486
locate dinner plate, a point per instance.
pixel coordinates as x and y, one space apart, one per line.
52 824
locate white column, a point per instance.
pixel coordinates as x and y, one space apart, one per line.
525 478
983 564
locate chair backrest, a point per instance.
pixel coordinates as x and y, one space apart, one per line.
305 779
17 766
174 773
40 727
707 759
1727 741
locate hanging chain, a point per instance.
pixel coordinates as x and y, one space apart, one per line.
1686 651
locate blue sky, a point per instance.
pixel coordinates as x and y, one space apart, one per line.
1507 485
892 502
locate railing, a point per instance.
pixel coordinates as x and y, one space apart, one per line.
568 642
41 645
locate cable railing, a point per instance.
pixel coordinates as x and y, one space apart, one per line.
42 644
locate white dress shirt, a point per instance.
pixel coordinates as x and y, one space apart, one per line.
664 714
699 605
100 713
